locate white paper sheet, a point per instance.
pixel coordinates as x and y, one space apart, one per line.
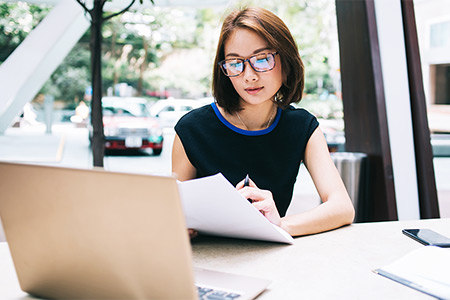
213 206
426 269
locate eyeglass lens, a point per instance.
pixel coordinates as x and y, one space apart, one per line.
260 63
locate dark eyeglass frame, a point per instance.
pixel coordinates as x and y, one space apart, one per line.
222 62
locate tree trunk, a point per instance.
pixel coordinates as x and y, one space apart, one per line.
97 19
98 138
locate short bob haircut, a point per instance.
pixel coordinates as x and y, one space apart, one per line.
277 35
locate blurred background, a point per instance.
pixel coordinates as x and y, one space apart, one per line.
145 54
161 56
167 52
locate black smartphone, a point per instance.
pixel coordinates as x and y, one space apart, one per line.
428 237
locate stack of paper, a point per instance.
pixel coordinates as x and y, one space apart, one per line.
213 206
426 269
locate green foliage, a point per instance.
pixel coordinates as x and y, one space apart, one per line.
173 48
16 22
71 78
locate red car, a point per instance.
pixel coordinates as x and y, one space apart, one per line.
128 125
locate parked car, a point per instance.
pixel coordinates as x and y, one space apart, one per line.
169 111
128 125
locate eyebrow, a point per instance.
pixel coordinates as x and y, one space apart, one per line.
254 52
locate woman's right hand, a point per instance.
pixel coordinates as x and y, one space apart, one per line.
262 200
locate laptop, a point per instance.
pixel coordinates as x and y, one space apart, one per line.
93 234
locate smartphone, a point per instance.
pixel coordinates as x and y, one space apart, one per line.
427 237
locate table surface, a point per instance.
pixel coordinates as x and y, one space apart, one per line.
332 265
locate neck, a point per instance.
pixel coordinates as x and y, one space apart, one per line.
255 119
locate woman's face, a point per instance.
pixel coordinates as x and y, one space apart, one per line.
253 87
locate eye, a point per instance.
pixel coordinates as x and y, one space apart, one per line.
262 61
235 64
261 58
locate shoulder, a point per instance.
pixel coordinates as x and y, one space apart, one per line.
196 115
195 120
202 111
297 112
294 114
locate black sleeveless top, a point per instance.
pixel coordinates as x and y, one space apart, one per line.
271 156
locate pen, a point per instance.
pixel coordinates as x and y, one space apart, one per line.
247 183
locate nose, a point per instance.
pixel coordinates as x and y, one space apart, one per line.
249 73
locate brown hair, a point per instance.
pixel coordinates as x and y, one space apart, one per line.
277 35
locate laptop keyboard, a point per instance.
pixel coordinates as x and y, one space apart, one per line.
213 294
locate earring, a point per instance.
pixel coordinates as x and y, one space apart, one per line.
278 97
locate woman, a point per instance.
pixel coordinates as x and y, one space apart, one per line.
252 128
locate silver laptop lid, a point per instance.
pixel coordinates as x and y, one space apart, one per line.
94 234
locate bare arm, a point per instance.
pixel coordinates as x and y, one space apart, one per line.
181 166
182 169
336 209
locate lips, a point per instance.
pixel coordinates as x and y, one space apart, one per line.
253 90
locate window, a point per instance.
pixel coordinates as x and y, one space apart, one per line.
440 35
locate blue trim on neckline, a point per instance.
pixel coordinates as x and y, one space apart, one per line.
247 132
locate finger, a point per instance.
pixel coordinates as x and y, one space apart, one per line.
241 184
251 183
262 206
269 211
242 192
255 194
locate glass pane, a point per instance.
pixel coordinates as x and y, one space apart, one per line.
440 35
433 30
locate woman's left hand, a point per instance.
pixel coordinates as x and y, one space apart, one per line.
262 200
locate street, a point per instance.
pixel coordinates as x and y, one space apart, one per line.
143 162
68 146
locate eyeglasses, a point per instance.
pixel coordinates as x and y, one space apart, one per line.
260 63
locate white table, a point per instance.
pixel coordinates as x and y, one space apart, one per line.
333 265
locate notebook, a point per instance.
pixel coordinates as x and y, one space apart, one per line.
426 269
92 234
